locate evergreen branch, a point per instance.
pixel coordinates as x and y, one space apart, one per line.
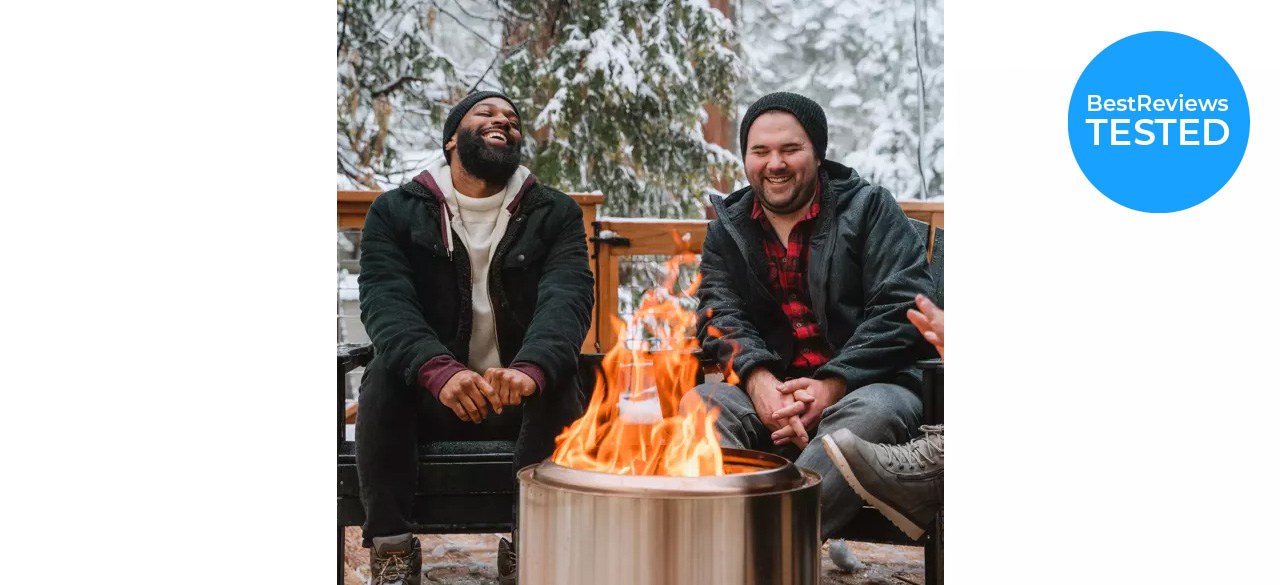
486 72
342 36
493 62
356 177
466 12
397 84
465 27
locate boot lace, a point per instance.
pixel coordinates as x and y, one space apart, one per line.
395 567
919 451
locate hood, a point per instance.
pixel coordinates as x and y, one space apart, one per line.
438 181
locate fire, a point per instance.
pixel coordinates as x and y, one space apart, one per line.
634 424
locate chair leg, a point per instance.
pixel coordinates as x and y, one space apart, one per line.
933 553
342 554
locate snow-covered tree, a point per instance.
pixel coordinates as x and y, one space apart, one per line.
612 93
401 65
858 59
615 91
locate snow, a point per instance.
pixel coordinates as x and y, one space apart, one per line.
348 286
859 62
619 93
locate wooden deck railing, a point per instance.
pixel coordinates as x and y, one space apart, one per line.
644 237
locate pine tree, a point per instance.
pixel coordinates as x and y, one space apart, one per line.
616 91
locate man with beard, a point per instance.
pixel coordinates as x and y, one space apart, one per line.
807 275
477 294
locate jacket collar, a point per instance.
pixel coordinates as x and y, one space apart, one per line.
734 212
424 185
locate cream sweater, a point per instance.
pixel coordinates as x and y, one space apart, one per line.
480 223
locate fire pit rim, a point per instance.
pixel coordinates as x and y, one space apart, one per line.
776 475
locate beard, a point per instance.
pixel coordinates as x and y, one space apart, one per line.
491 164
799 196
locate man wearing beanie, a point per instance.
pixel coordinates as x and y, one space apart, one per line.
477 294
807 276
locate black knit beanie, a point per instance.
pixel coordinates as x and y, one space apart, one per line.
808 112
464 106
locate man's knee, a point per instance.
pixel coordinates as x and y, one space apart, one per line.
712 394
380 389
877 412
887 399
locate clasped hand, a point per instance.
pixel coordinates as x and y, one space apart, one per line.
472 397
792 409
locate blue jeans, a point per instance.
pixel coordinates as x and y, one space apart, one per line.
879 413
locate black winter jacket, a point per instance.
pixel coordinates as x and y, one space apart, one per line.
415 300
866 264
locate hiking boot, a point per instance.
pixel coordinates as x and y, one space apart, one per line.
396 560
506 562
903 481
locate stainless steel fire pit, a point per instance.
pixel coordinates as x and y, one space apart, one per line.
756 525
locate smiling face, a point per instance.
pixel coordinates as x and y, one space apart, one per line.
488 141
781 164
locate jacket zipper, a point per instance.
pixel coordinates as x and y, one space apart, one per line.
464 283
495 276
739 242
824 259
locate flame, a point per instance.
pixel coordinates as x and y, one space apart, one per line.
636 423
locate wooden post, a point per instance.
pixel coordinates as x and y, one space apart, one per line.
644 237
929 212
719 127
607 298
590 204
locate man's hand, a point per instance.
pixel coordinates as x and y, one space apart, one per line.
763 387
811 397
928 320
469 396
511 385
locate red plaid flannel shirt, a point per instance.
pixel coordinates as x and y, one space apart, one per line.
787 268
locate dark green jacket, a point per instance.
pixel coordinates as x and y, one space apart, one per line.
866 264
415 299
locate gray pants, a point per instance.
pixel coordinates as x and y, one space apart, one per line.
879 413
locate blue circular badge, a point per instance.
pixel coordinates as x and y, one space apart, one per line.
1158 122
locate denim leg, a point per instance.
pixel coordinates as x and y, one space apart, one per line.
879 413
738 424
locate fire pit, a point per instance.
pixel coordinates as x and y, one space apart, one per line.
639 490
756 524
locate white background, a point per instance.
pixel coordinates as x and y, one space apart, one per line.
1110 396
1110 388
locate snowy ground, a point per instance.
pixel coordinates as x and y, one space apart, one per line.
471 559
